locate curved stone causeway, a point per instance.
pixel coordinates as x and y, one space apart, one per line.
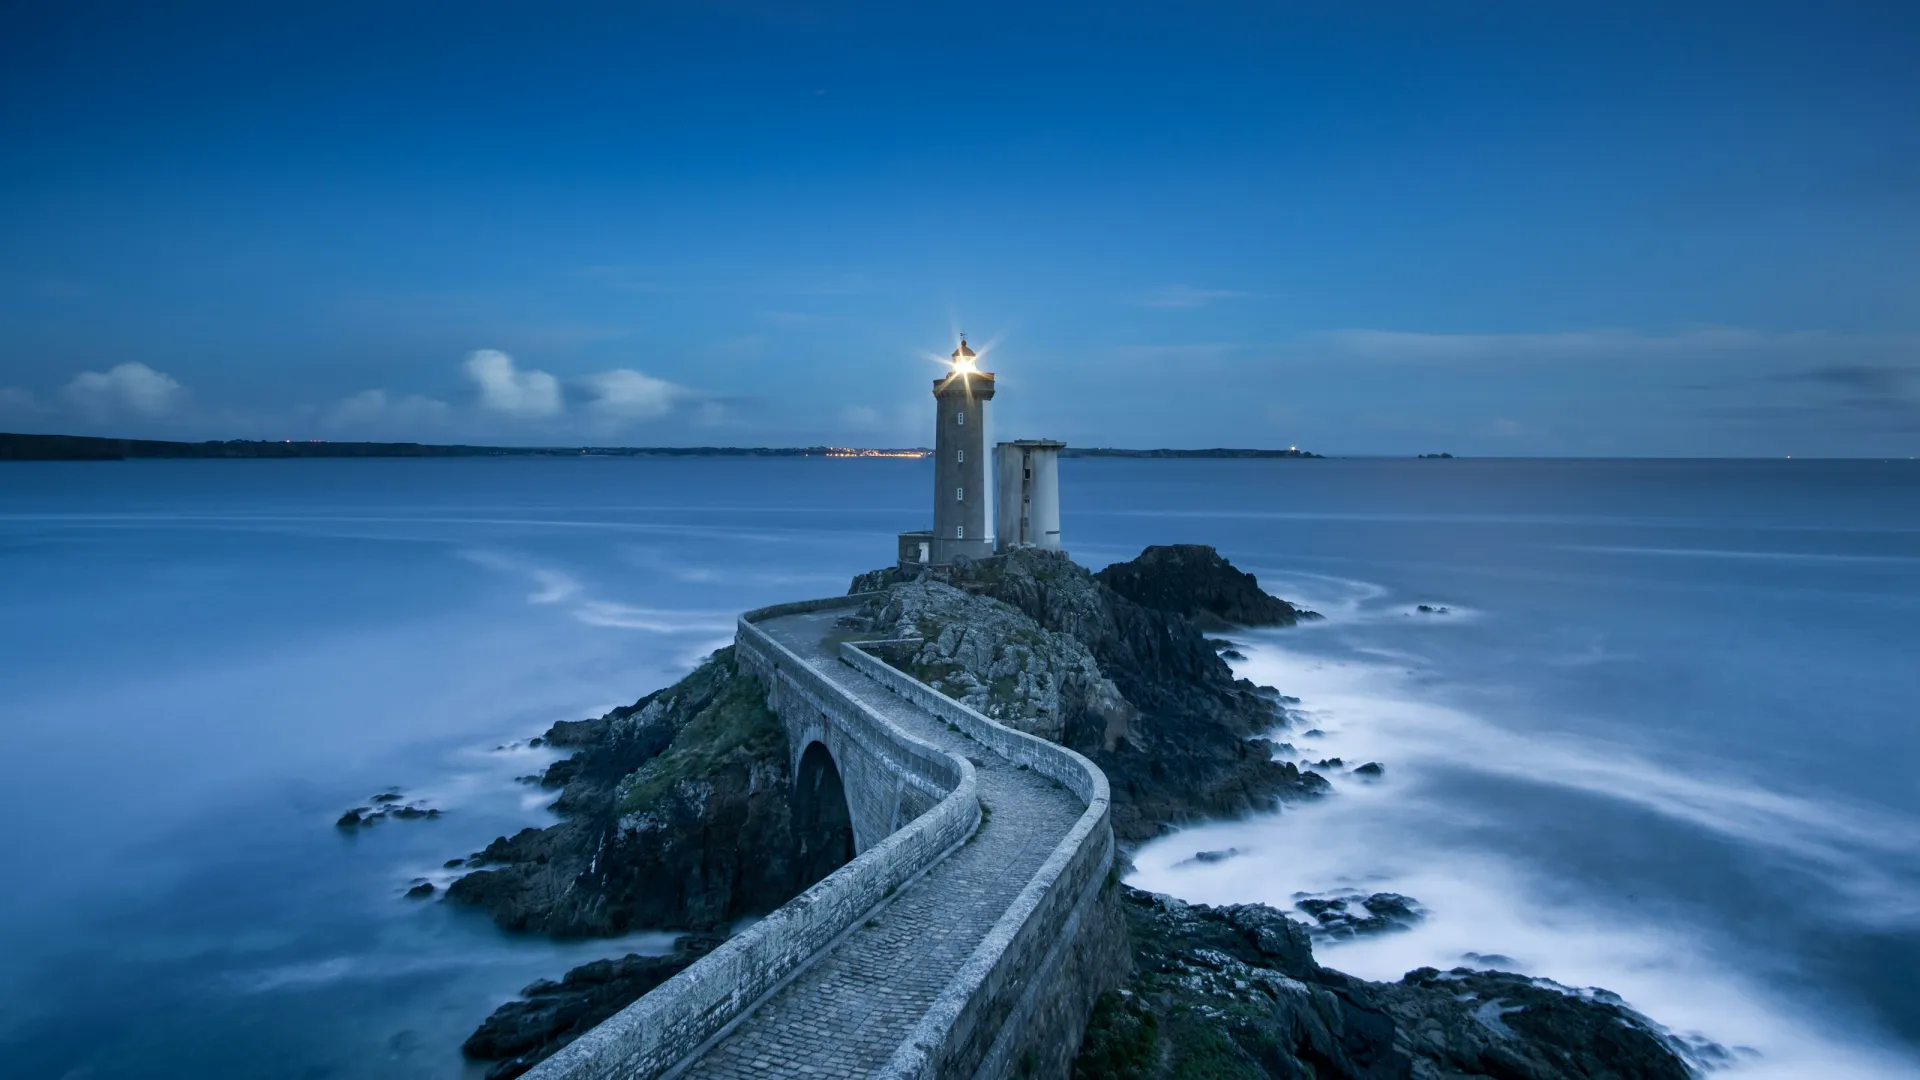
968 936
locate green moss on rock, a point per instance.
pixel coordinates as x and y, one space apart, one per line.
732 723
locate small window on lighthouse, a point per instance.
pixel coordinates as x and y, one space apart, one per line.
962 456
960 418
959 532
960 494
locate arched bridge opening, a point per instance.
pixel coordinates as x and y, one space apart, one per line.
822 821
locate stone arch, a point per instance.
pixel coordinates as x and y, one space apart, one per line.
822 820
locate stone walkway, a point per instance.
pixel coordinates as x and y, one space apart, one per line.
846 1014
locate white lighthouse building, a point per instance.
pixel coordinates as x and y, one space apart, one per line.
1027 478
965 511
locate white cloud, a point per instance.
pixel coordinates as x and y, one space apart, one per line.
376 407
14 401
132 387
624 394
504 388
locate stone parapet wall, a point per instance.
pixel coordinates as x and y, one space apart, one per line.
1049 759
890 777
1020 1004
687 1012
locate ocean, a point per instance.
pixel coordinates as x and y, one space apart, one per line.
1661 740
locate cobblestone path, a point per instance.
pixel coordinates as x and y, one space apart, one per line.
847 1013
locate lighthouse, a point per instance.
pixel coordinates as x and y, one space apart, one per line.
960 495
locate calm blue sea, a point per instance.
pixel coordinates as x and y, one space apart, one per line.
1663 741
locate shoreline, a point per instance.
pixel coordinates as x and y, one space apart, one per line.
1486 905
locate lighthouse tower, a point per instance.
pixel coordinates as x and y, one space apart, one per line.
960 495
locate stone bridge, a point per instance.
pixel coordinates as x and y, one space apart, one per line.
968 936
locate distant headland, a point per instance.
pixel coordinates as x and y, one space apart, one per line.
89 448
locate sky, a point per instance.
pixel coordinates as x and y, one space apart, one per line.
1480 228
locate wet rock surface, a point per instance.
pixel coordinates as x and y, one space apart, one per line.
1234 992
1353 914
549 1015
387 804
1195 581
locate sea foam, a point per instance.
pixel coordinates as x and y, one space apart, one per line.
1414 833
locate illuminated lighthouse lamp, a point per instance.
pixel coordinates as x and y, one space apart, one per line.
963 359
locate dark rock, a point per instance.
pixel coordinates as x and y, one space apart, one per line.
1186 742
1313 733
578 734
1492 960
386 797
1330 763
353 818
412 812
1235 992
1371 769
676 814
1394 906
562 772
451 863
423 889
521 1034
536 741
1194 581
1209 857
1354 915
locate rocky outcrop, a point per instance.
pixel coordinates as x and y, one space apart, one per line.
1194 581
521 1034
1235 992
1353 914
389 803
676 815
1185 740
995 659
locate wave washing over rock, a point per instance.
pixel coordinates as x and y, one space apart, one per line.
676 815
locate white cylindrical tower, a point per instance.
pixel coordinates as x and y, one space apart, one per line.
1043 507
1027 503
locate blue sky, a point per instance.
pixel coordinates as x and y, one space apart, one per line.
1486 228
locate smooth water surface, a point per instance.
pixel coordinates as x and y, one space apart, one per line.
1663 741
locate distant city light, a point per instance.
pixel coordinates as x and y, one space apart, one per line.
854 451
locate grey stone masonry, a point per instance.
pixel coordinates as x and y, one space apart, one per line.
967 938
851 1012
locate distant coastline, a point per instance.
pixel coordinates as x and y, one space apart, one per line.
91 448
